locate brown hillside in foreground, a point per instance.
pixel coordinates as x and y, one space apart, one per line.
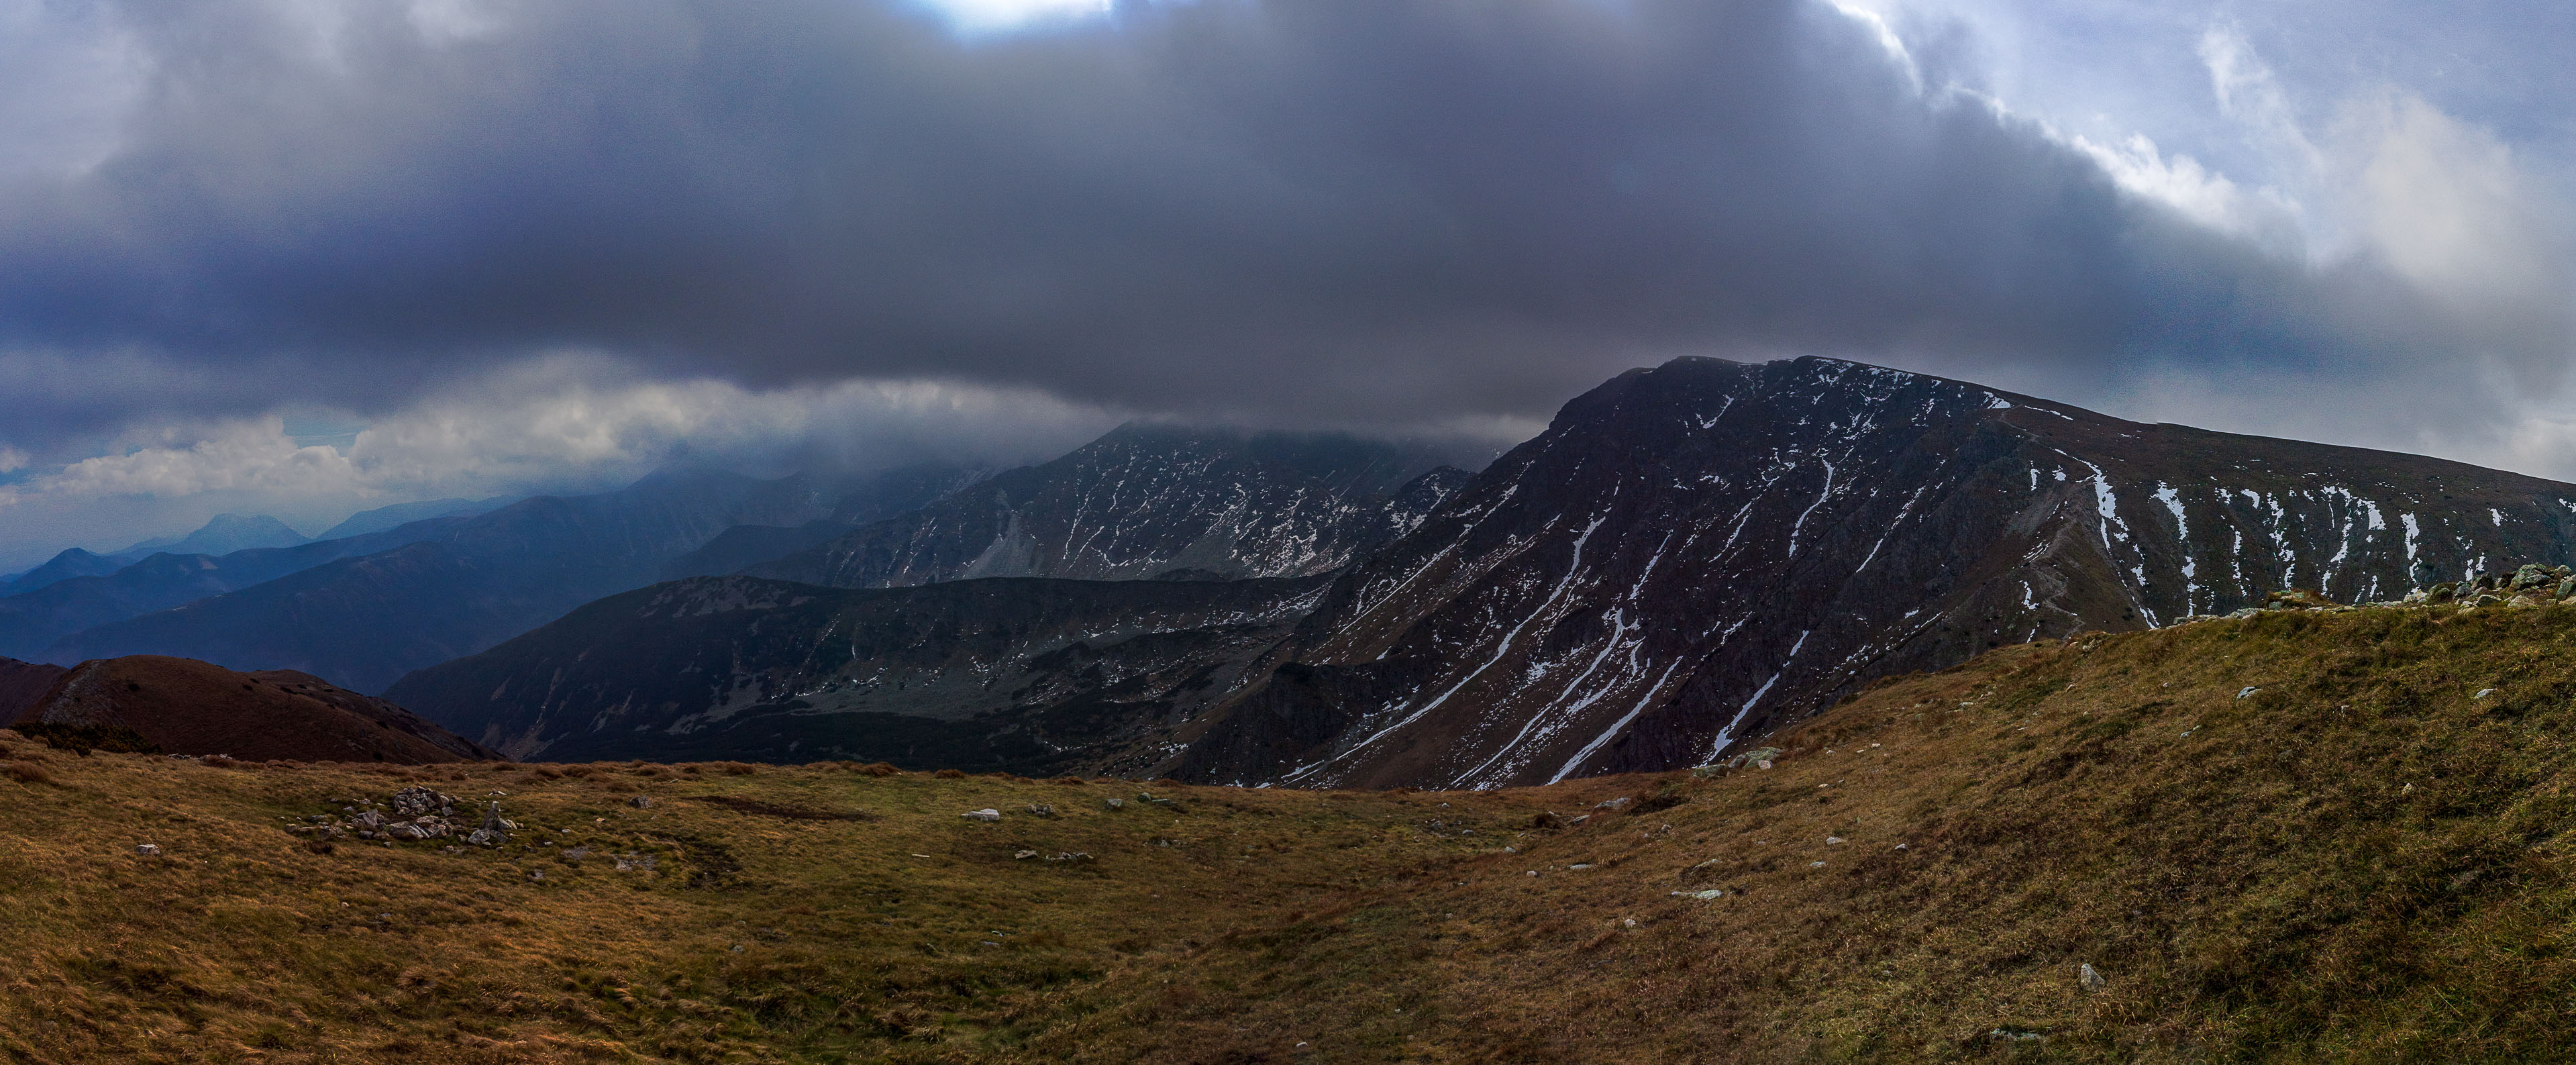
184 706
2307 836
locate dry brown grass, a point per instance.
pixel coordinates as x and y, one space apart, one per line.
2360 860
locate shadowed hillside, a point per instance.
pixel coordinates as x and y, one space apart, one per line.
186 707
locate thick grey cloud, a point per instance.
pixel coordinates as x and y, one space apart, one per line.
1350 211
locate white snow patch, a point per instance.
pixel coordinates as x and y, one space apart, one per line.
1811 508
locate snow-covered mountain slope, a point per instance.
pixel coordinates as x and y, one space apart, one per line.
1695 553
1149 501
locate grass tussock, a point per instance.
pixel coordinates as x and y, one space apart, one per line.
2297 837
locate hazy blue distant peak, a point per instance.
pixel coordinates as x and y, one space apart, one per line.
222 534
387 517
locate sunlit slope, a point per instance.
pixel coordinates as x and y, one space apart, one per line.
2359 858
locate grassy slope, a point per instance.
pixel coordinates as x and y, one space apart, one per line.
2359 861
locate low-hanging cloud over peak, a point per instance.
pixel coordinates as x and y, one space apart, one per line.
1394 213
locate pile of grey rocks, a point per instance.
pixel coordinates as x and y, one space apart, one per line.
414 813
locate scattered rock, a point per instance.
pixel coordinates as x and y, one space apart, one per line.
575 855
148 850
1115 803
1041 809
1815 865
641 802
2483 693
1712 893
2091 980
987 815
2247 691
631 862
1620 803
1069 856
1025 854
536 874
1833 840
1578 819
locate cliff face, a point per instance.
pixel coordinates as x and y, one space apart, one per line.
1695 553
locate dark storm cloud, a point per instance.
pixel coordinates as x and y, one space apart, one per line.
1304 210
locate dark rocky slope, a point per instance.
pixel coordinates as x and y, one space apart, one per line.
182 706
1030 675
1696 553
1147 501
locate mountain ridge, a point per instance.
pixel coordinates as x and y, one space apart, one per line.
1144 500
1030 675
1697 553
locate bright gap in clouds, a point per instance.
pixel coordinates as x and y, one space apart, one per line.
988 15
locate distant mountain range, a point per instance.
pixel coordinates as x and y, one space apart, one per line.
362 611
426 591
221 535
228 534
32 621
1688 556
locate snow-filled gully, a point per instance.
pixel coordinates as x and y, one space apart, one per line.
1572 571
